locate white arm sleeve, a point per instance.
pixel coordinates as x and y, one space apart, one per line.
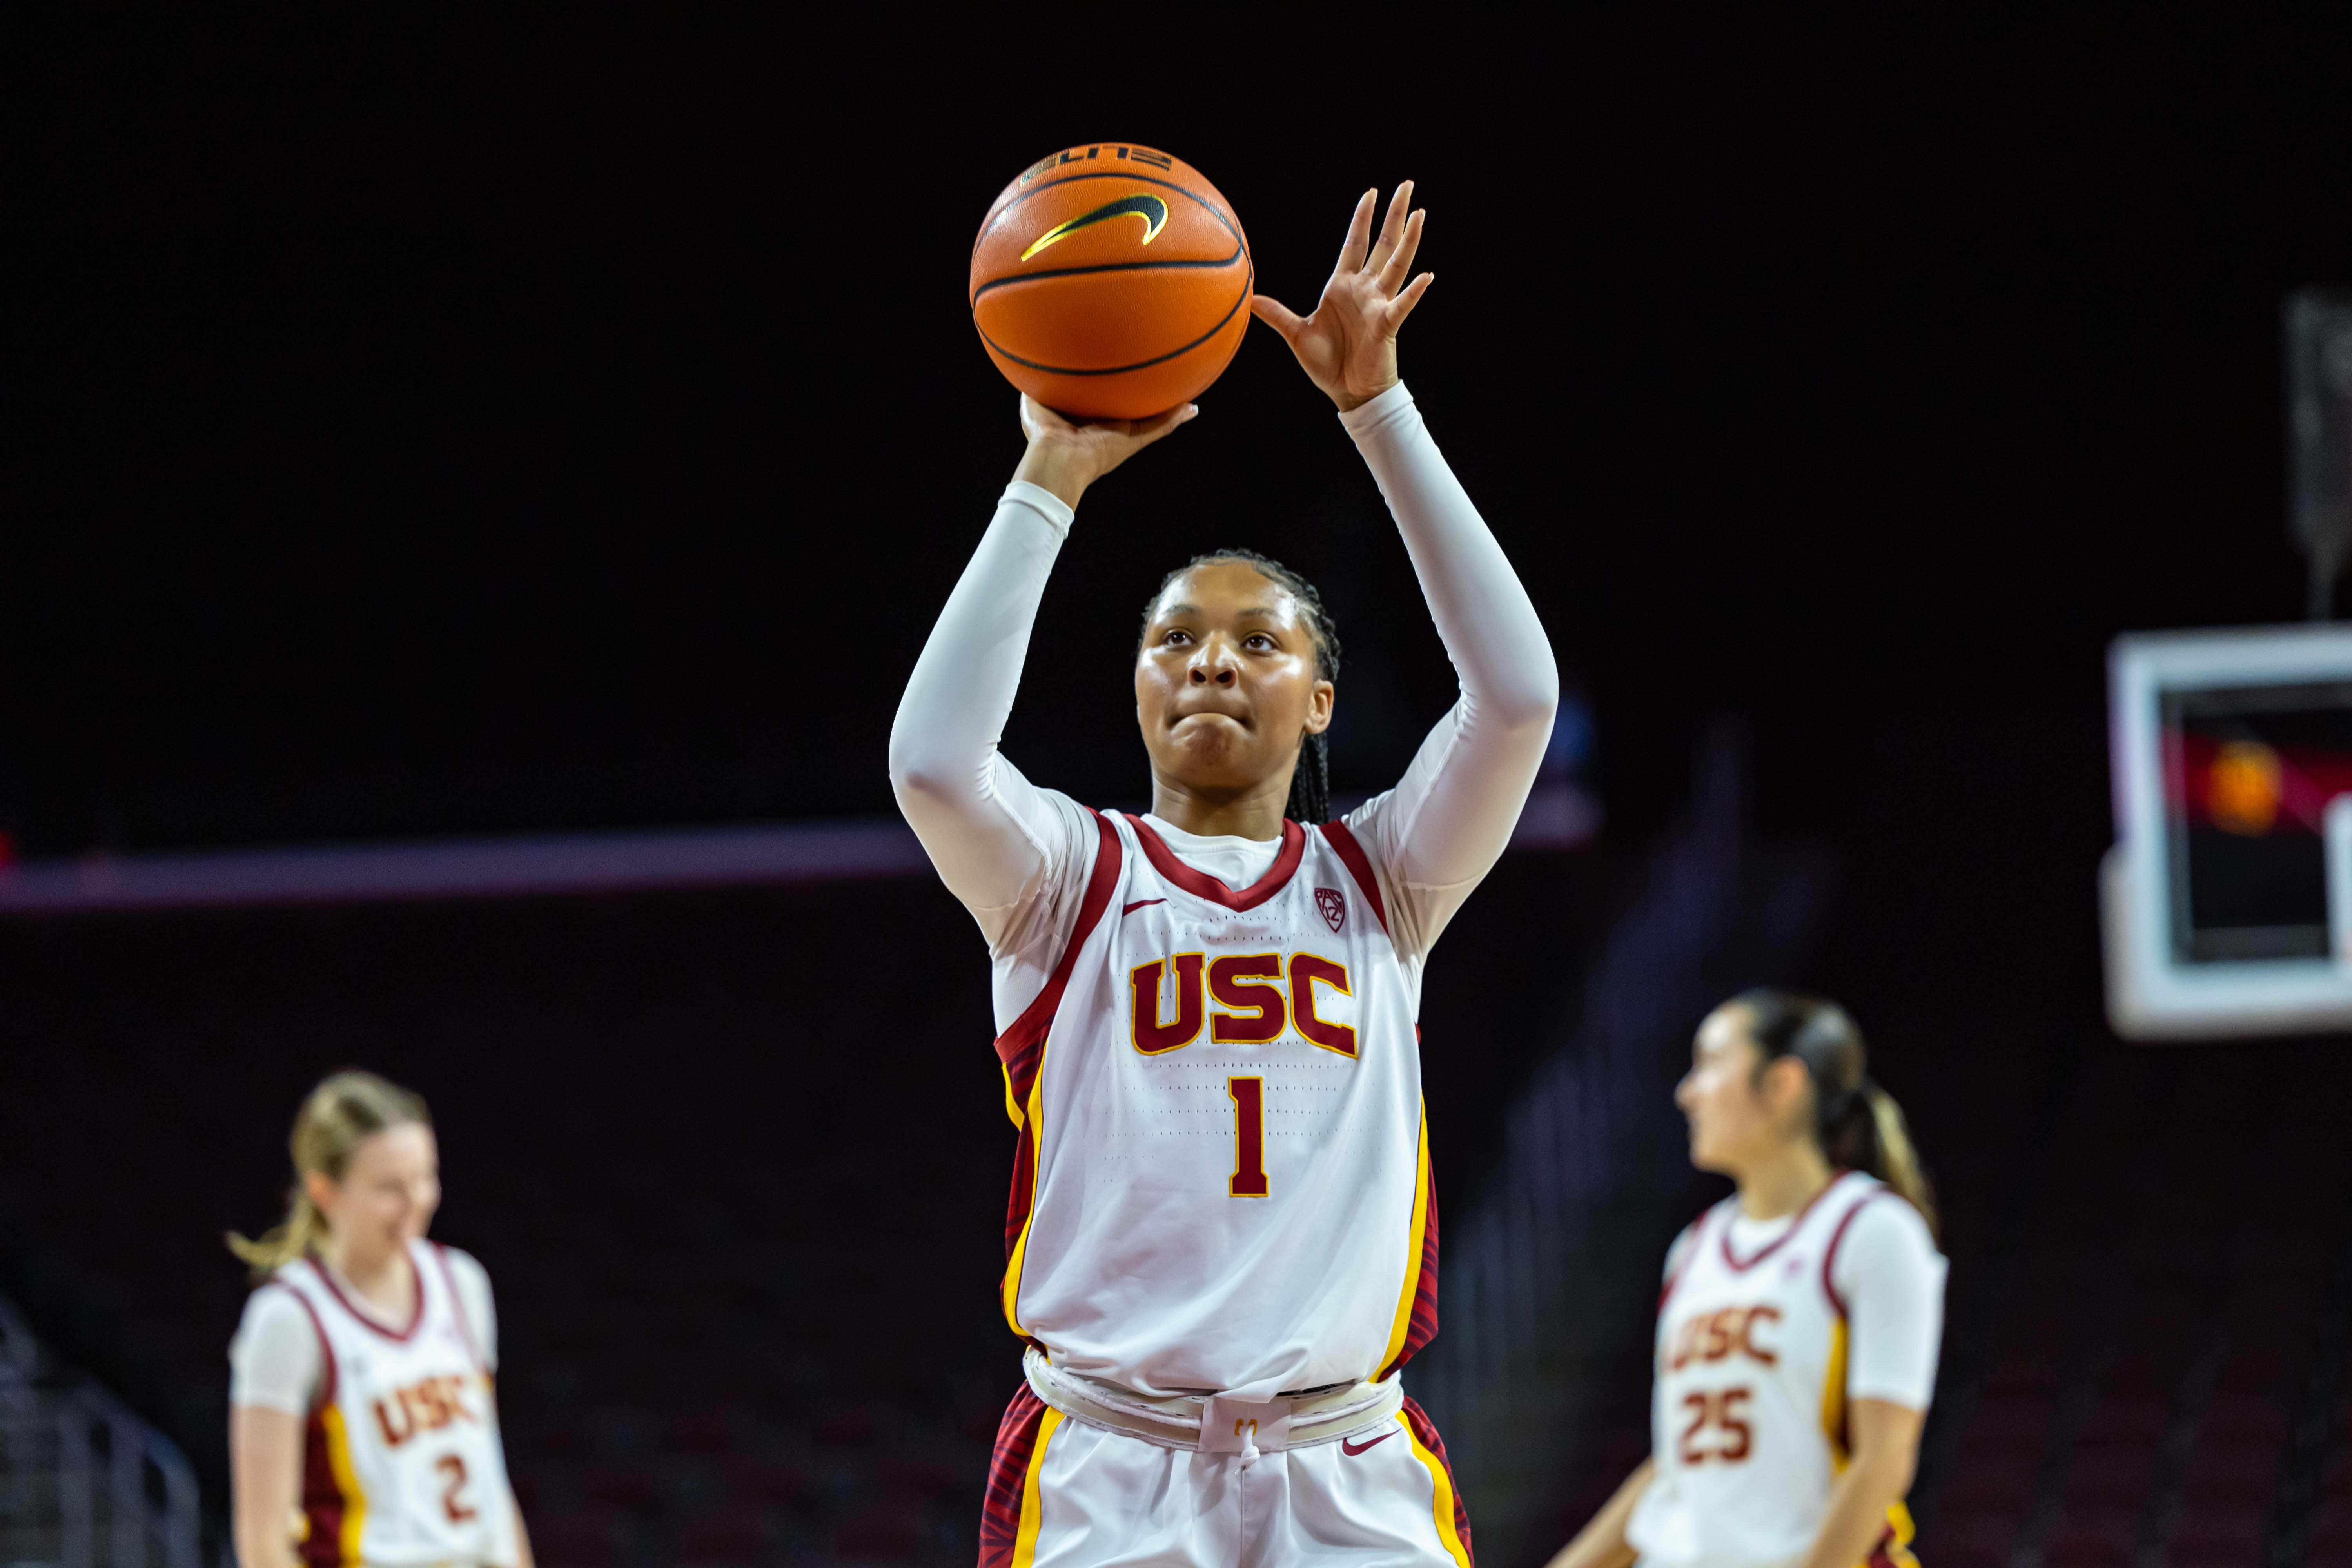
1439 832
473 1283
1001 844
273 1359
1892 1280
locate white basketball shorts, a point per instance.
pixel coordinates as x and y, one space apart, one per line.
1064 1494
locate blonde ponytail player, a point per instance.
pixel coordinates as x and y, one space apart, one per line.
1799 1327
1222 1245
362 1428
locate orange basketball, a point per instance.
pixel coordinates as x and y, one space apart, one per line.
1110 282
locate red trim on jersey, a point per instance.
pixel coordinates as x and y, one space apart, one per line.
415 1315
1200 885
1023 1192
1829 1253
1022 1047
1780 1240
1359 866
1024 1189
323 1502
1697 1231
326 1347
457 1308
1008 1475
1424 1432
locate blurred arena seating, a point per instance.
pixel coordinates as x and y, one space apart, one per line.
737 1162
732 1167
1552 1242
78 1469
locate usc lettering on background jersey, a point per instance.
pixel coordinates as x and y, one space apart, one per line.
1748 1406
1223 1180
402 1462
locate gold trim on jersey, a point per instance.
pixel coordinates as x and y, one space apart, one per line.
1024 1539
1440 1504
1033 1127
1833 1398
1400 1324
1834 1427
339 1465
1899 1520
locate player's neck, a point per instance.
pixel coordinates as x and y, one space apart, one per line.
1784 1181
1255 813
387 1283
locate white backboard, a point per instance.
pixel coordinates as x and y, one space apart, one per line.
2227 907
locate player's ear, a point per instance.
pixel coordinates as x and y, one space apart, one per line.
1785 1081
320 1189
1318 706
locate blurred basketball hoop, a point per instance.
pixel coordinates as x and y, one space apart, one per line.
2227 908
2228 904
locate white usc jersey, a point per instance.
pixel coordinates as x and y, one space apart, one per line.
1747 1411
401 1463
1223 1178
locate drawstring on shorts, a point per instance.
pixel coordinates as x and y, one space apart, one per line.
1215 1424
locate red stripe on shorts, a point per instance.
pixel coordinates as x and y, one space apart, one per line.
1008 1477
1424 1432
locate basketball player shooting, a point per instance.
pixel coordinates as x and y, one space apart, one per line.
1222 1243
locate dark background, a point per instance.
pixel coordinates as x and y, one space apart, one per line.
421 435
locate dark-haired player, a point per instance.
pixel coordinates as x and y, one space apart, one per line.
1222 1243
1800 1323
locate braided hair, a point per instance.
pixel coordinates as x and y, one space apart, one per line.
1310 782
1857 1123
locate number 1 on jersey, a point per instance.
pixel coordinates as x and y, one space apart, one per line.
1248 1095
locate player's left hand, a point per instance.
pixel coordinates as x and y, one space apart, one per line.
1347 347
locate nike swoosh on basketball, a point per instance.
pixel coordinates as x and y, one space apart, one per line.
1150 209
1352 1449
1129 910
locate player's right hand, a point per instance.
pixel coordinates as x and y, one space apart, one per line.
1064 459
1347 346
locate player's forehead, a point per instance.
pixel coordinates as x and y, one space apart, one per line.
401 1150
1722 1032
1225 590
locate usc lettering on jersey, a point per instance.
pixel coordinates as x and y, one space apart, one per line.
402 1462
1747 1414
1223 1178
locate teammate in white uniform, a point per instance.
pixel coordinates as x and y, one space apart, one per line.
1798 1329
363 1428
1223 1238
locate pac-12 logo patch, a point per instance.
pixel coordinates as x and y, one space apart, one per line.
1334 907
